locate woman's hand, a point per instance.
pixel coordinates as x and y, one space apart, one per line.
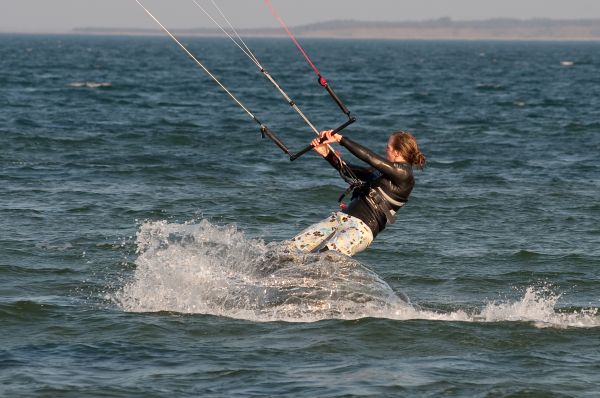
321 148
325 138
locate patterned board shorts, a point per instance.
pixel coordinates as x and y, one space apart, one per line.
340 232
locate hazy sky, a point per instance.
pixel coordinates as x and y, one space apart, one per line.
64 15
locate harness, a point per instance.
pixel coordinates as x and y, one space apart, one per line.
377 199
380 200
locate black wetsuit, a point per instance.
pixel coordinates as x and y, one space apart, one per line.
386 187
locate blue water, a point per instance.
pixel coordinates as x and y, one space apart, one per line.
141 210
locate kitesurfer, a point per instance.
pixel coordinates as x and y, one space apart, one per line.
385 186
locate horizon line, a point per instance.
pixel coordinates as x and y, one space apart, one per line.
448 20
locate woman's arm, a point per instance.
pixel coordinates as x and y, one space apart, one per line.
362 173
387 168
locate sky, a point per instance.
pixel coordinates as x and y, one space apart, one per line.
59 16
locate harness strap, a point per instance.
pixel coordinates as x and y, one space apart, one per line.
382 201
389 199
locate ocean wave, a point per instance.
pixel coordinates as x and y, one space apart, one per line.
200 268
489 87
26 310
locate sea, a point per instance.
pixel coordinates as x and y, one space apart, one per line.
142 220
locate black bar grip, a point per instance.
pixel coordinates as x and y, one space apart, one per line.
348 122
303 151
336 130
266 132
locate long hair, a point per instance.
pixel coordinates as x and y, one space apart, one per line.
406 144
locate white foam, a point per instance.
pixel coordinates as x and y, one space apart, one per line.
207 269
537 306
90 84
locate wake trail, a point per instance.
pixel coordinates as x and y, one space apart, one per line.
200 268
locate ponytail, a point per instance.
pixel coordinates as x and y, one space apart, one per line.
406 144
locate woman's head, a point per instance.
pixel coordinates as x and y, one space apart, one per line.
403 144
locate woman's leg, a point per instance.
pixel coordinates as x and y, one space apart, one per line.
312 237
351 236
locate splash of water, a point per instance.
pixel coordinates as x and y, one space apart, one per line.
207 269
538 306
202 268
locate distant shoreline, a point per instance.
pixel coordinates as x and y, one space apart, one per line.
439 29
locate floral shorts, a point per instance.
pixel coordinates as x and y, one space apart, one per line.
340 232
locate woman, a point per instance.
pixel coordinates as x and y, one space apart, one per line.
385 188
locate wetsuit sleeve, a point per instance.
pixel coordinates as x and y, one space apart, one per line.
387 168
362 173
